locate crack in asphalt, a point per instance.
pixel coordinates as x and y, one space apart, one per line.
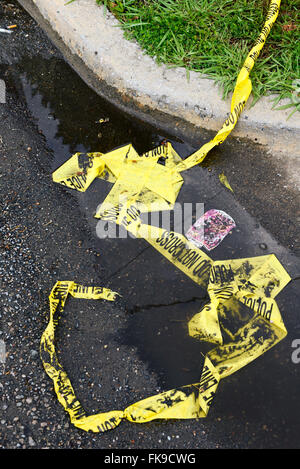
126 265
137 309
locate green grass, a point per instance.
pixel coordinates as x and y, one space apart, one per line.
214 36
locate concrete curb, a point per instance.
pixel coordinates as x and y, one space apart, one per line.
118 70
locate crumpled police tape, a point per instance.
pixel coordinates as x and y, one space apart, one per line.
141 179
79 174
242 319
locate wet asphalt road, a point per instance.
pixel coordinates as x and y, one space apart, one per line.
127 350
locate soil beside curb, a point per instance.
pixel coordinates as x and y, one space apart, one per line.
118 70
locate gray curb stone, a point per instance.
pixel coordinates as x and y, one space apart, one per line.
118 69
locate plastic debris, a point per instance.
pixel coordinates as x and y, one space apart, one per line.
5 31
210 229
225 182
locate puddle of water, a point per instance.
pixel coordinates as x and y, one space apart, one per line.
67 113
157 332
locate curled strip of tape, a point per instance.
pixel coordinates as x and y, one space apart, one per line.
242 319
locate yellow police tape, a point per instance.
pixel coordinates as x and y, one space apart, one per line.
241 93
80 178
242 318
152 181
139 179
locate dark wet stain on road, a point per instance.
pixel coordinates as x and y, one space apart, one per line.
159 299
